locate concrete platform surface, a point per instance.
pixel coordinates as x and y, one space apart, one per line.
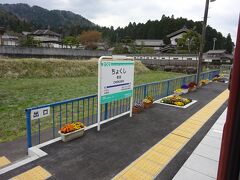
203 162
102 155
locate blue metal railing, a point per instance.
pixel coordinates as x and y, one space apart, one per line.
84 109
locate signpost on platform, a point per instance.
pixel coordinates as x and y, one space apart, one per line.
115 82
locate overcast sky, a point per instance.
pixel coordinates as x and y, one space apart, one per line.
223 14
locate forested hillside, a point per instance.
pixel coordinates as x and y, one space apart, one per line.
22 17
64 22
159 29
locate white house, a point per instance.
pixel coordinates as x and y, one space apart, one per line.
174 36
217 56
156 44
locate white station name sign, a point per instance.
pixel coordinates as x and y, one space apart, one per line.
116 80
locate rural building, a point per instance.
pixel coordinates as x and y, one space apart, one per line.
156 44
47 38
9 40
218 56
2 30
174 36
180 57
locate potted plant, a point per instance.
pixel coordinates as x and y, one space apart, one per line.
218 78
203 82
192 86
71 131
184 89
147 102
178 92
137 108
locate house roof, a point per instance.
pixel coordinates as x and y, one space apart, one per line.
26 33
182 30
149 42
40 32
7 36
2 30
220 51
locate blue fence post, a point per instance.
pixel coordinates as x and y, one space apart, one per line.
106 111
168 86
183 80
145 91
28 127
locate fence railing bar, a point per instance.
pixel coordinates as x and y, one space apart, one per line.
83 111
60 116
78 111
88 112
53 121
72 112
66 113
39 130
62 102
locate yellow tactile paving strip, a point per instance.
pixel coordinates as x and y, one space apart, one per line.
37 173
4 161
151 163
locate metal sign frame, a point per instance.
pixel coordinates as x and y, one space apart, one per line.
110 58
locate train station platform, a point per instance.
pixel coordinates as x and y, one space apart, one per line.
154 144
203 162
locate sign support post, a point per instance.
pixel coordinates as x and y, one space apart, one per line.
115 82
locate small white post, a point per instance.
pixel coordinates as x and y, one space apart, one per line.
131 106
99 91
99 94
131 101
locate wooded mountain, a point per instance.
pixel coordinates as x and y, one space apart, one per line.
11 22
22 17
40 18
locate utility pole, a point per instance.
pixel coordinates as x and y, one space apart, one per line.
214 41
200 57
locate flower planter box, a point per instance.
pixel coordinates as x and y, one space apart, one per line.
147 105
184 91
192 89
178 93
137 110
72 135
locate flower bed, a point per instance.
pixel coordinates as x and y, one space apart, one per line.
71 131
176 101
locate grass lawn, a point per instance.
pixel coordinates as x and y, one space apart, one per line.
18 94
